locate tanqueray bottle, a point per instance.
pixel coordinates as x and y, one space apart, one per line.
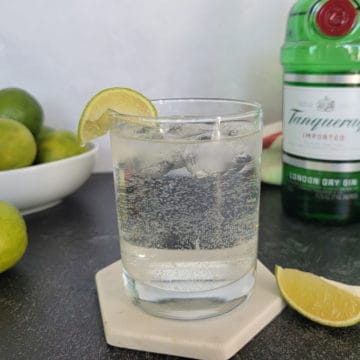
321 111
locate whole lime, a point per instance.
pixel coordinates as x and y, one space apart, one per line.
17 145
44 132
13 236
58 145
21 106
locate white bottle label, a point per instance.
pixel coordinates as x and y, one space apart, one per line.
322 122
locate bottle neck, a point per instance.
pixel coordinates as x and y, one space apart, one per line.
320 58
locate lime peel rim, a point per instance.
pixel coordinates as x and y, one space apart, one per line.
103 121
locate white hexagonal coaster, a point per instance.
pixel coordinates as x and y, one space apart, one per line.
217 338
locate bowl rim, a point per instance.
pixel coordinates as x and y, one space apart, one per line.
93 149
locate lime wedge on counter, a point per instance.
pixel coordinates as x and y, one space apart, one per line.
96 117
321 300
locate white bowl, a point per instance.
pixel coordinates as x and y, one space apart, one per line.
38 187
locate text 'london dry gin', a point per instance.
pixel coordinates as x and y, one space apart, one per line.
321 111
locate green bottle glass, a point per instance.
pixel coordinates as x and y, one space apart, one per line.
321 111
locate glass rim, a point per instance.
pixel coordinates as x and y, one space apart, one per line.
198 118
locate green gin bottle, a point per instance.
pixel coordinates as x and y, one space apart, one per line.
321 111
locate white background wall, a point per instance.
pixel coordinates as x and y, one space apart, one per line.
63 52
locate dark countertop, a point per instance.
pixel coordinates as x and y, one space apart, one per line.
48 301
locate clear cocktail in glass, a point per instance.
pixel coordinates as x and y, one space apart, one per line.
187 189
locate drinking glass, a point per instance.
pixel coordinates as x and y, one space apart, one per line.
187 186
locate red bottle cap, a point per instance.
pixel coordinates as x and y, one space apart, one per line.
336 17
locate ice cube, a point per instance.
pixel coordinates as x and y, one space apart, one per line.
157 169
188 131
241 162
149 132
211 157
158 164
